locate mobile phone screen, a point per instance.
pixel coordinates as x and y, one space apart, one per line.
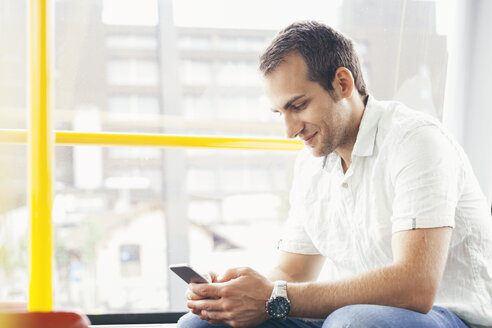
187 273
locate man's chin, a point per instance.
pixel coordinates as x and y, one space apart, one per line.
319 152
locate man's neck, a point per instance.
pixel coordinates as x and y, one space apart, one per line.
346 160
345 151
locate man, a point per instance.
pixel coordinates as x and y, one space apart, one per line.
381 192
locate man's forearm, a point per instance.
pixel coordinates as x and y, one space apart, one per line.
297 267
391 286
278 274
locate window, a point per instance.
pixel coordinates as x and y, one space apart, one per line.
130 260
132 72
237 43
196 72
238 73
14 218
197 107
131 41
121 153
123 214
192 42
133 108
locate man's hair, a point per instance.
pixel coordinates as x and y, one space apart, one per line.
324 50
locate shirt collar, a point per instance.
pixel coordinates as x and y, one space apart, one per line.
366 137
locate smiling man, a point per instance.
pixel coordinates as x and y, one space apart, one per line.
382 193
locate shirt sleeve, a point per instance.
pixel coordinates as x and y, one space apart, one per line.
294 238
427 176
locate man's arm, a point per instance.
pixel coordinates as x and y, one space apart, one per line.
411 282
293 267
244 290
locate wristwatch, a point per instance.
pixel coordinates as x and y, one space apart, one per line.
278 306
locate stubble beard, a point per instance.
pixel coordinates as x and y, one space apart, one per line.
338 137
325 149
328 144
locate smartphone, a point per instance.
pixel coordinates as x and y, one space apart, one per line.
185 272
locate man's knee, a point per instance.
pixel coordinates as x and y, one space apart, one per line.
190 320
353 316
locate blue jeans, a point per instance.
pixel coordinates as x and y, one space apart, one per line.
355 316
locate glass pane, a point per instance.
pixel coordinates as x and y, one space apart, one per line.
192 70
200 81
404 54
122 215
131 41
13 64
14 216
132 72
14 224
206 71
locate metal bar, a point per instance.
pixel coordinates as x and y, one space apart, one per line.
119 139
135 318
40 142
9 136
66 138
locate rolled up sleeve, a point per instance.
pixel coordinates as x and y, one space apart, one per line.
427 176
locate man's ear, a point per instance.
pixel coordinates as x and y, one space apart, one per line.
343 83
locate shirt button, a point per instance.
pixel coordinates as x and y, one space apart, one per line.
345 185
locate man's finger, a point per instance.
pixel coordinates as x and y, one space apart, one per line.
213 276
192 296
205 290
215 317
212 321
205 305
231 274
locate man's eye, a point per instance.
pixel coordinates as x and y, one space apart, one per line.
298 107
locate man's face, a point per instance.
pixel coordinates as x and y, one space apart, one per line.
309 111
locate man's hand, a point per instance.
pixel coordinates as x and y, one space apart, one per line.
211 277
237 298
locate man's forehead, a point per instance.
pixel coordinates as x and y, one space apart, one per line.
290 70
286 81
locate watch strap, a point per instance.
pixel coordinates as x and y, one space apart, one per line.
280 289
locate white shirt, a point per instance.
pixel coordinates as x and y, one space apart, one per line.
406 172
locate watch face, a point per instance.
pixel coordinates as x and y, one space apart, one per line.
278 307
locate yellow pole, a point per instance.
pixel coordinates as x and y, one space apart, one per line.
41 144
155 140
70 138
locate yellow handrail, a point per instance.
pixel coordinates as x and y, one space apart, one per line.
69 138
40 162
10 136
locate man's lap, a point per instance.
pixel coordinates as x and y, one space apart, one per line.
192 321
365 315
355 316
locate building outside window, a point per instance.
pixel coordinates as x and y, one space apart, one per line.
130 260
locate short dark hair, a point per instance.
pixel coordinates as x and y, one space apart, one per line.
324 50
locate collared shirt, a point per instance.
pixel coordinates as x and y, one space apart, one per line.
406 172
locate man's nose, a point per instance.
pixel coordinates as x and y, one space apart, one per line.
293 126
